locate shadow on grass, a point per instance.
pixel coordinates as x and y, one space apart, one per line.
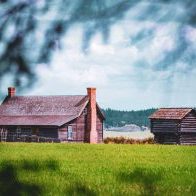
36 166
11 185
79 189
146 179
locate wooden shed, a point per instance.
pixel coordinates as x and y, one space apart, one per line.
174 125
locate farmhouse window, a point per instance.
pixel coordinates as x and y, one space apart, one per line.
69 133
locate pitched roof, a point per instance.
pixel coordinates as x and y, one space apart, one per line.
41 110
170 113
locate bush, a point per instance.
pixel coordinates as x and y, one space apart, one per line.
123 140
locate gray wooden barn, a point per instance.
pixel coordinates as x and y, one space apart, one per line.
174 125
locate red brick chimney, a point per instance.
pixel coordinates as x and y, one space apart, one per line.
92 116
11 92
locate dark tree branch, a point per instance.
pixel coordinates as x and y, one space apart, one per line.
17 56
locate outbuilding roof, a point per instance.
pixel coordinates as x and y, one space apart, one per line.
41 110
170 113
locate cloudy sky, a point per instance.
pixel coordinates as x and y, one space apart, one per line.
136 68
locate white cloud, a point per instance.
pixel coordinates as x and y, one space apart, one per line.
191 34
112 69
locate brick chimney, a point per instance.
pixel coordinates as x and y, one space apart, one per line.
92 115
11 92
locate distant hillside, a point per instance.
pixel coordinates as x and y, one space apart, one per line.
116 118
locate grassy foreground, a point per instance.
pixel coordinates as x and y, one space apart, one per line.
83 169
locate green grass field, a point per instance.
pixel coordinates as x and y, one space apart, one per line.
83 169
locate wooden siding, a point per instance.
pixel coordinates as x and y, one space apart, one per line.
188 124
165 131
82 128
166 138
62 134
164 125
88 126
175 131
79 128
74 131
99 128
188 138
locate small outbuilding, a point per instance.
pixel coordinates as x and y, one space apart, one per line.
174 125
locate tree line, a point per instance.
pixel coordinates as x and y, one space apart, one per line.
117 118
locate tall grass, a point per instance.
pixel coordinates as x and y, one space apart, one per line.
83 169
123 140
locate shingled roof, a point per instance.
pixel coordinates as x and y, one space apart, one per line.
41 110
171 113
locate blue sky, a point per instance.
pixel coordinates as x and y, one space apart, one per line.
136 68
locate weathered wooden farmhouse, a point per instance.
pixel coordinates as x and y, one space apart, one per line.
174 125
51 118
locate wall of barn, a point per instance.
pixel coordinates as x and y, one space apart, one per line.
166 138
188 129
88 124
81 127
166 131
62 132
162 125
99 128
78 130
188 123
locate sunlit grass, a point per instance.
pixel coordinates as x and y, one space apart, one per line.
84 169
